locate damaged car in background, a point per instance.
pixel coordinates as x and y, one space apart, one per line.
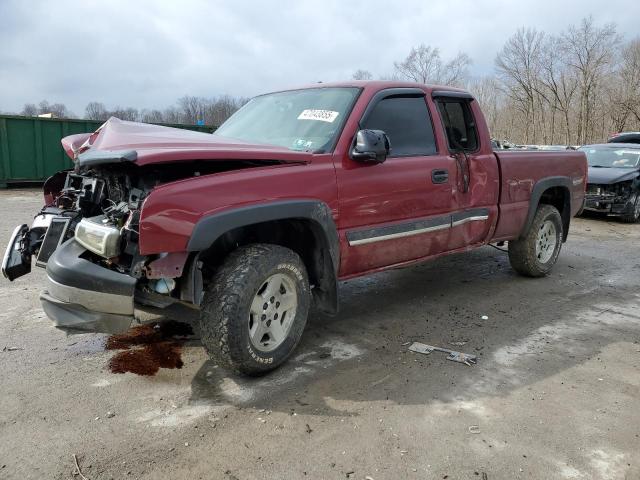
613 186
296 191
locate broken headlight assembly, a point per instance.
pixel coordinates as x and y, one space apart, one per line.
99 237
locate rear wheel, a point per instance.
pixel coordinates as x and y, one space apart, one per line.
536 253
255 309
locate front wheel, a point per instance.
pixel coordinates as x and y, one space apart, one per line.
255 309
634 215
536 253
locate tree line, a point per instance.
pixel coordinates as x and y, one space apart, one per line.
571 88
187 110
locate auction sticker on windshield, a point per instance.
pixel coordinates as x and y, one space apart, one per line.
322 115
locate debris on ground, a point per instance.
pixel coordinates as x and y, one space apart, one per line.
110 414
454 356
474 429
484 317
11 349
78 471
309 430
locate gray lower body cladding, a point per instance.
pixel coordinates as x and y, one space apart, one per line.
84 297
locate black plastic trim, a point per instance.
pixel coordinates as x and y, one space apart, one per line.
538 189
209 229
452 94
389 92
91 158
66 267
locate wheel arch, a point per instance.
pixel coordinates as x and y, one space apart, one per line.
554 191
304 226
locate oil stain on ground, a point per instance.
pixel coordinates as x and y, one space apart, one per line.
146 349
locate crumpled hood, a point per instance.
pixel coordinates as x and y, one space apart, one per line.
120 141
608 176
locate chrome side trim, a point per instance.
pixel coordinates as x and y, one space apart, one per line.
391 236
475 218
91 300
416 227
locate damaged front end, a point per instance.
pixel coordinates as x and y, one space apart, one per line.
613 199
87 235
87 238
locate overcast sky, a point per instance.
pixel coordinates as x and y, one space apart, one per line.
147 54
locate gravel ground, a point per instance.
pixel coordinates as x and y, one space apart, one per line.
554 395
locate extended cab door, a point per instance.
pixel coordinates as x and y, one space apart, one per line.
475 212
399 210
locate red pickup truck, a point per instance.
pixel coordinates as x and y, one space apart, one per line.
296 191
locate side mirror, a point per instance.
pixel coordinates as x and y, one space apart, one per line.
371 146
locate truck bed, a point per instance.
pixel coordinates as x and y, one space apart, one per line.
520 171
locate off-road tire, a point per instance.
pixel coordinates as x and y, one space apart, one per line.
634 216
522 252
224 317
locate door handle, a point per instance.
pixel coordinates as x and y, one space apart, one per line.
439 176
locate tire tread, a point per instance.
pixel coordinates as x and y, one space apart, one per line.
221 304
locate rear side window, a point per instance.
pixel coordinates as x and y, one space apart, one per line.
459 124
406 122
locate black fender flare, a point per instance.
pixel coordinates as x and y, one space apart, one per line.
539 188
209 228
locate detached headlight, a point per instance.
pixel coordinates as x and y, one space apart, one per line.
97 237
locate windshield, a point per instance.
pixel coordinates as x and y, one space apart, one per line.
611 157
305 120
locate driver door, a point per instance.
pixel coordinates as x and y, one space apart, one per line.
399 210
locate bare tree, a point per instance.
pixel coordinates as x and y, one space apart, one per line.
456 70
29 110
488 95
192 108
152 116
589 53
362 75
96 111
627 81
424 65
58 110
517 65
559 81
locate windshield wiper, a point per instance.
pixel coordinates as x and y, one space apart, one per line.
598 166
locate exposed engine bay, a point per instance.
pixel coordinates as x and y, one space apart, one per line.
100 207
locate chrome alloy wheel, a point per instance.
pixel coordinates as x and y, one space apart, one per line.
272 312
546 241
